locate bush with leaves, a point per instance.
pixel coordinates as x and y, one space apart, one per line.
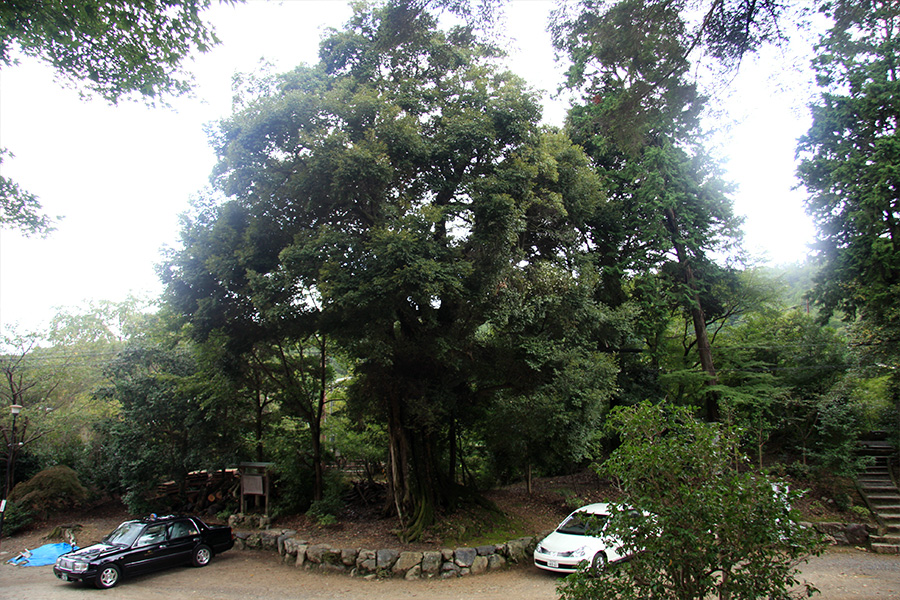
705 524
52 490
287 444
326 510
15 518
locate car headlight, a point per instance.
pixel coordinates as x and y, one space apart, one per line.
79 567
76 566
580 552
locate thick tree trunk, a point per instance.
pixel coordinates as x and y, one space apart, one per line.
398 462
414 477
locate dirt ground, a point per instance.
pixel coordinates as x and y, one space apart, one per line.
839 574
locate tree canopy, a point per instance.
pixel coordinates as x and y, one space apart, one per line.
638 119
112 48
848 165
400 197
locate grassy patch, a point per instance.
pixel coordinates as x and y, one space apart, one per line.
475 525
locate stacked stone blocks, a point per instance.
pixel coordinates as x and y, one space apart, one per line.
388 562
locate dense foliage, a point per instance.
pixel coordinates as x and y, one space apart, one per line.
401 271
697 521
400 198
848 165
165 427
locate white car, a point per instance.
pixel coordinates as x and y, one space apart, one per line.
576 541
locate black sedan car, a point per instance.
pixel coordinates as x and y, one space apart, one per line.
144 545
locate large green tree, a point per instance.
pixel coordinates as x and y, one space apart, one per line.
849 167
638 119
401 196
849 162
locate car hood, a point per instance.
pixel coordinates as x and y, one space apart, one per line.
566 542
93 552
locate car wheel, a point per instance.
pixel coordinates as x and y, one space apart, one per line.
201 556
598 564
108 576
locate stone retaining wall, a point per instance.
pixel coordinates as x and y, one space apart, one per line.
445 562
389 562
845 534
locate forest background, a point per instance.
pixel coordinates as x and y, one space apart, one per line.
399 265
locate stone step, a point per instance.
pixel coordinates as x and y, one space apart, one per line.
883 499
880 490
876 446
880 482
880 548
882 494
877 485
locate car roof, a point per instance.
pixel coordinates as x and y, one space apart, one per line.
152 519
598 508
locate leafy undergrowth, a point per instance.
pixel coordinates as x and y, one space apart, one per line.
831 499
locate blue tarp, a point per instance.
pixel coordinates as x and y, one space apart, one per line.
40 557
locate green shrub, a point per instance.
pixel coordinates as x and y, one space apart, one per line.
862 512
697 520
326 510
15 518
52 490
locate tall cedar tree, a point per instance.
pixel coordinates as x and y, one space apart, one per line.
639 121
849 165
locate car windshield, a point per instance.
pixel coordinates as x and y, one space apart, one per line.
125 534
582 524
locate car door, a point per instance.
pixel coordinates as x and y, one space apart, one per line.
184 536
148 551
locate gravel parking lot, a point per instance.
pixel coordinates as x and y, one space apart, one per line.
840 574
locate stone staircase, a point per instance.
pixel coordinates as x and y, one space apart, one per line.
881 495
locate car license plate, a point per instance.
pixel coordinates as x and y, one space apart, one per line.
63 576
553 564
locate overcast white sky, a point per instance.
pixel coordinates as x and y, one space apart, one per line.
121 175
